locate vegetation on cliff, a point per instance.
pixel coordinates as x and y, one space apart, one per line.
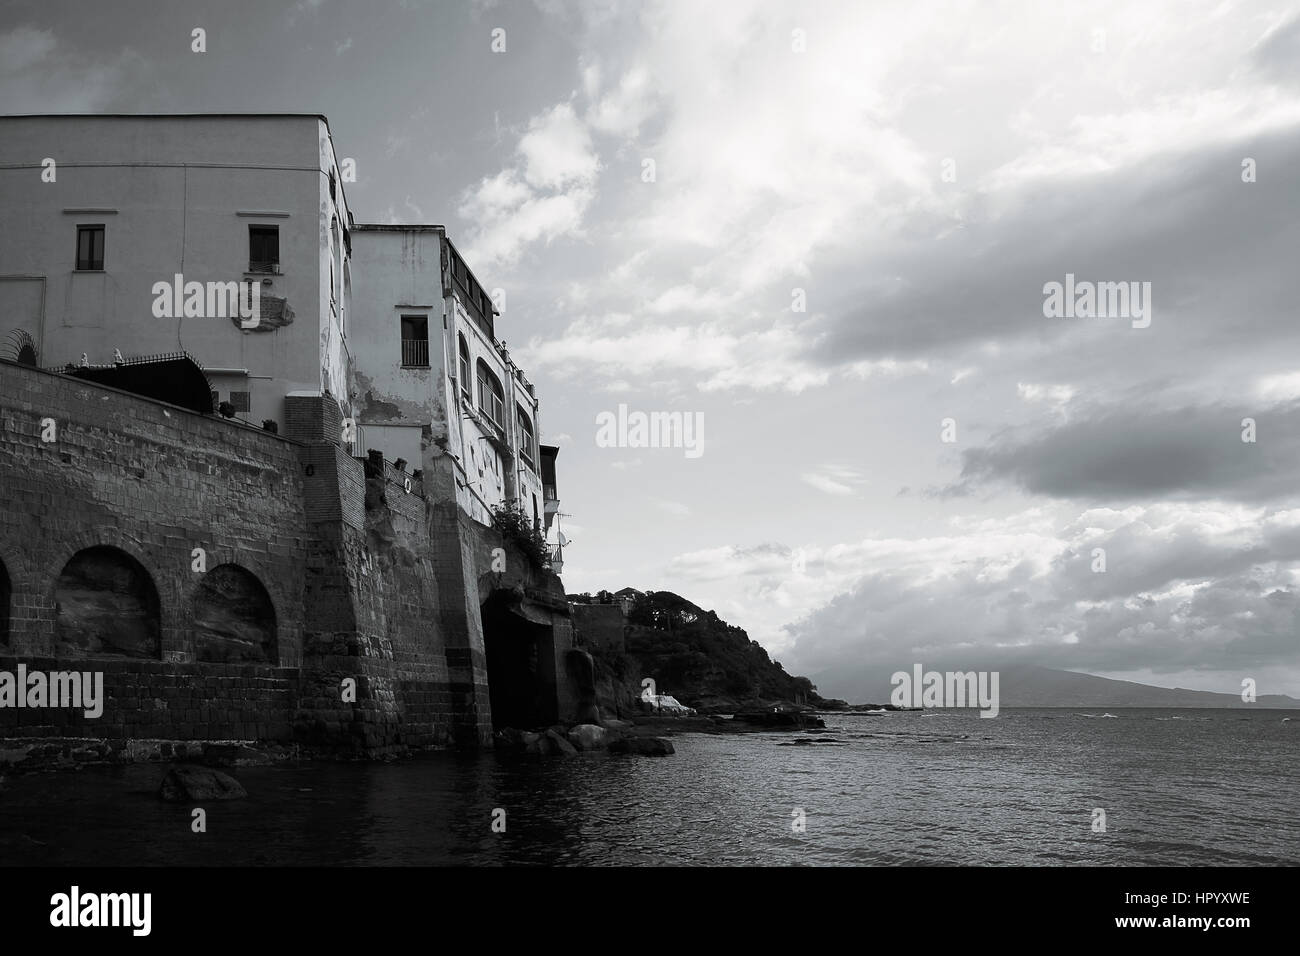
700 659
518 529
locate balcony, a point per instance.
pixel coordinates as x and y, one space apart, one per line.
415 353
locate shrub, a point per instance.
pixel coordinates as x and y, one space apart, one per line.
517 527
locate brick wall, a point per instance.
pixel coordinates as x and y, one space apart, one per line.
371 583
152 480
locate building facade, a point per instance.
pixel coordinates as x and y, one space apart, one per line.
334 582
102 209
432 377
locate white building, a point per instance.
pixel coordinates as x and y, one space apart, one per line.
100 209
431 376
389 321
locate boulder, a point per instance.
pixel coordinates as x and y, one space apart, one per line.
561 746
647 746
589 737
190 784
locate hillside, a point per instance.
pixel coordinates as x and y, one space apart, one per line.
700 659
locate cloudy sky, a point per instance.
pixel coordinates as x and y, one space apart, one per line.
659 187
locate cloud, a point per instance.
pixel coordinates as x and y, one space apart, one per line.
1279 51
25 47
1136 452
622 110
557 150
1051 394
544 194
39 74
1202 587
716 359
833 479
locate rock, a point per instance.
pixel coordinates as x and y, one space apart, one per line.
187 783
508 738
779 717
647 746
582 675
589 737
561 746
535 743
612 723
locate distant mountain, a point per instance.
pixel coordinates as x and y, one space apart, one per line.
1029 686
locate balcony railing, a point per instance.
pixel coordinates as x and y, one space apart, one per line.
415 352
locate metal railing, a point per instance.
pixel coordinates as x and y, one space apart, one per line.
415 352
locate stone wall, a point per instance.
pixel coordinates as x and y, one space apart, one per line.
329 575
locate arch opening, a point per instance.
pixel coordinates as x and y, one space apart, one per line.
234 619
106 605
520 666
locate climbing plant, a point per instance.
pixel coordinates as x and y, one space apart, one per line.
516 527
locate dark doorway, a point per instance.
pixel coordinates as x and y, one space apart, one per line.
105 604
234 620
520 666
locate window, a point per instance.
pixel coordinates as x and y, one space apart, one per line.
263 248
90 248
240 401
463 369
525 436
491 396
415 341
